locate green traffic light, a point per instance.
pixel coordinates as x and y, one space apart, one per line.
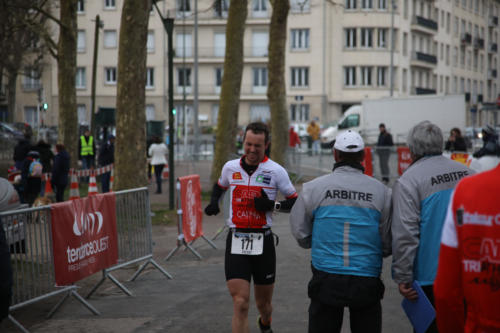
45 106
174 112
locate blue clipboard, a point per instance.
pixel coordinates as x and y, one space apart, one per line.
420 312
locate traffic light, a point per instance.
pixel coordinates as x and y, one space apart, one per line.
174 111
45 106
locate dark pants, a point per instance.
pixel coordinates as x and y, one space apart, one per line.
158 171
59 189
105 178
331 293
383 155
429 292
5 276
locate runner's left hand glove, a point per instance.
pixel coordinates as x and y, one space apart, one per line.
263 203
212 209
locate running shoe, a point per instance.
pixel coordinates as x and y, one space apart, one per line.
264 328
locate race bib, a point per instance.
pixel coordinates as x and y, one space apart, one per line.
251 243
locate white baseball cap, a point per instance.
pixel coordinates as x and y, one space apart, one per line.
349 142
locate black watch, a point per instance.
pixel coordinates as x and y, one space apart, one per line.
277 205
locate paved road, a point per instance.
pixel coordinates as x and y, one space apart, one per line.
196 300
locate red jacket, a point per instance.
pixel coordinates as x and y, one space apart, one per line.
294 139
469 260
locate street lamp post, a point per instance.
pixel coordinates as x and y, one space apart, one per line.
391 70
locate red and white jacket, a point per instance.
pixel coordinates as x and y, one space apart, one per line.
269 176
469 261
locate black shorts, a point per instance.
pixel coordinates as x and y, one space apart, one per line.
261 267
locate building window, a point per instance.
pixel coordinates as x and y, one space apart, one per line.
299 112
366 37
367 4
259 8
300 77
299 39
382 40
447 58
81 111
259 80
110 75
221 8
109 4
405 43
110 39
218 79
184 77
366 76
382 4
81 78
30 115
151 41
300 6
150 77
260 112
381 76
150 112
260 41
350 37
350 4
80 6
350 76
184 5
81 41
31 79
183 45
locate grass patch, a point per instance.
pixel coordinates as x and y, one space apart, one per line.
205 195
163 215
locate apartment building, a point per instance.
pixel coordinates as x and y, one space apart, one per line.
338 53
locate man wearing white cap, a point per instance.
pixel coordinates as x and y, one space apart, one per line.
344 217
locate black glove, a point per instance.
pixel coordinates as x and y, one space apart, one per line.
212 209
262 203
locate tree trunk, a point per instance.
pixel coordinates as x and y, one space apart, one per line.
11 95
227 120
276 90
66 71
130 151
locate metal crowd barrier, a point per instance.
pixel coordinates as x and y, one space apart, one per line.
29 236
135 236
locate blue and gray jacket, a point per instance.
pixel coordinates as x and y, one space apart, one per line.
420 201
344 217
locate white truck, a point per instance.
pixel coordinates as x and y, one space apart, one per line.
398 115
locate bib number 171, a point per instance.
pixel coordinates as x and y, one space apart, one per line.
247 243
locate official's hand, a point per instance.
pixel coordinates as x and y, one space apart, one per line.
407 291
263 203
212 209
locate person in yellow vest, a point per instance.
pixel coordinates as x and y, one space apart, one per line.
86 149
314 131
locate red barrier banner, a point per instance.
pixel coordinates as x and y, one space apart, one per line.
461 158
368 162
84 237
191 207
404 159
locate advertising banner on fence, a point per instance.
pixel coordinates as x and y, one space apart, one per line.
191 207
404 159
463 158
84 237
368 162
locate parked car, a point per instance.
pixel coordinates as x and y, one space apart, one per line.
9 132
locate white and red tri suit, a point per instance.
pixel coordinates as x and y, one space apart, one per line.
269 176
468 276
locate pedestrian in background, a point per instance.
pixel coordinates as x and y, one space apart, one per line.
107 157
31 177
46 158
158 152
21 150
456 141
344 217
384 145
468 269
420 200
60 171
9 200
86 149
490 143
313 130
293 142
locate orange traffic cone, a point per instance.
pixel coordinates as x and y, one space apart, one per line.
92 185
74 191
165 172
48 187
111 180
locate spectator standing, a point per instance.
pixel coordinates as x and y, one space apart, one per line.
384 145
86 149
9 199
420 199
344 217
468 269
490 143
60 171
46 158
313 130
158 152
107 157
456 141
21 151
31 177
293 142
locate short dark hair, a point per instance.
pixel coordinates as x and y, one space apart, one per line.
381 125
60 147
258 128
356 157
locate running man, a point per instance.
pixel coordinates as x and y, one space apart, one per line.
253 182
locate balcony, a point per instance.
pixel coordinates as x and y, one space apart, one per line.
212 92
466 38
493 21
420 59
479 43
492 74
216 54
422 91
31 86
493 48
424 25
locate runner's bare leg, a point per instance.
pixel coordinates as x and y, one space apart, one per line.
263 298
240 292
